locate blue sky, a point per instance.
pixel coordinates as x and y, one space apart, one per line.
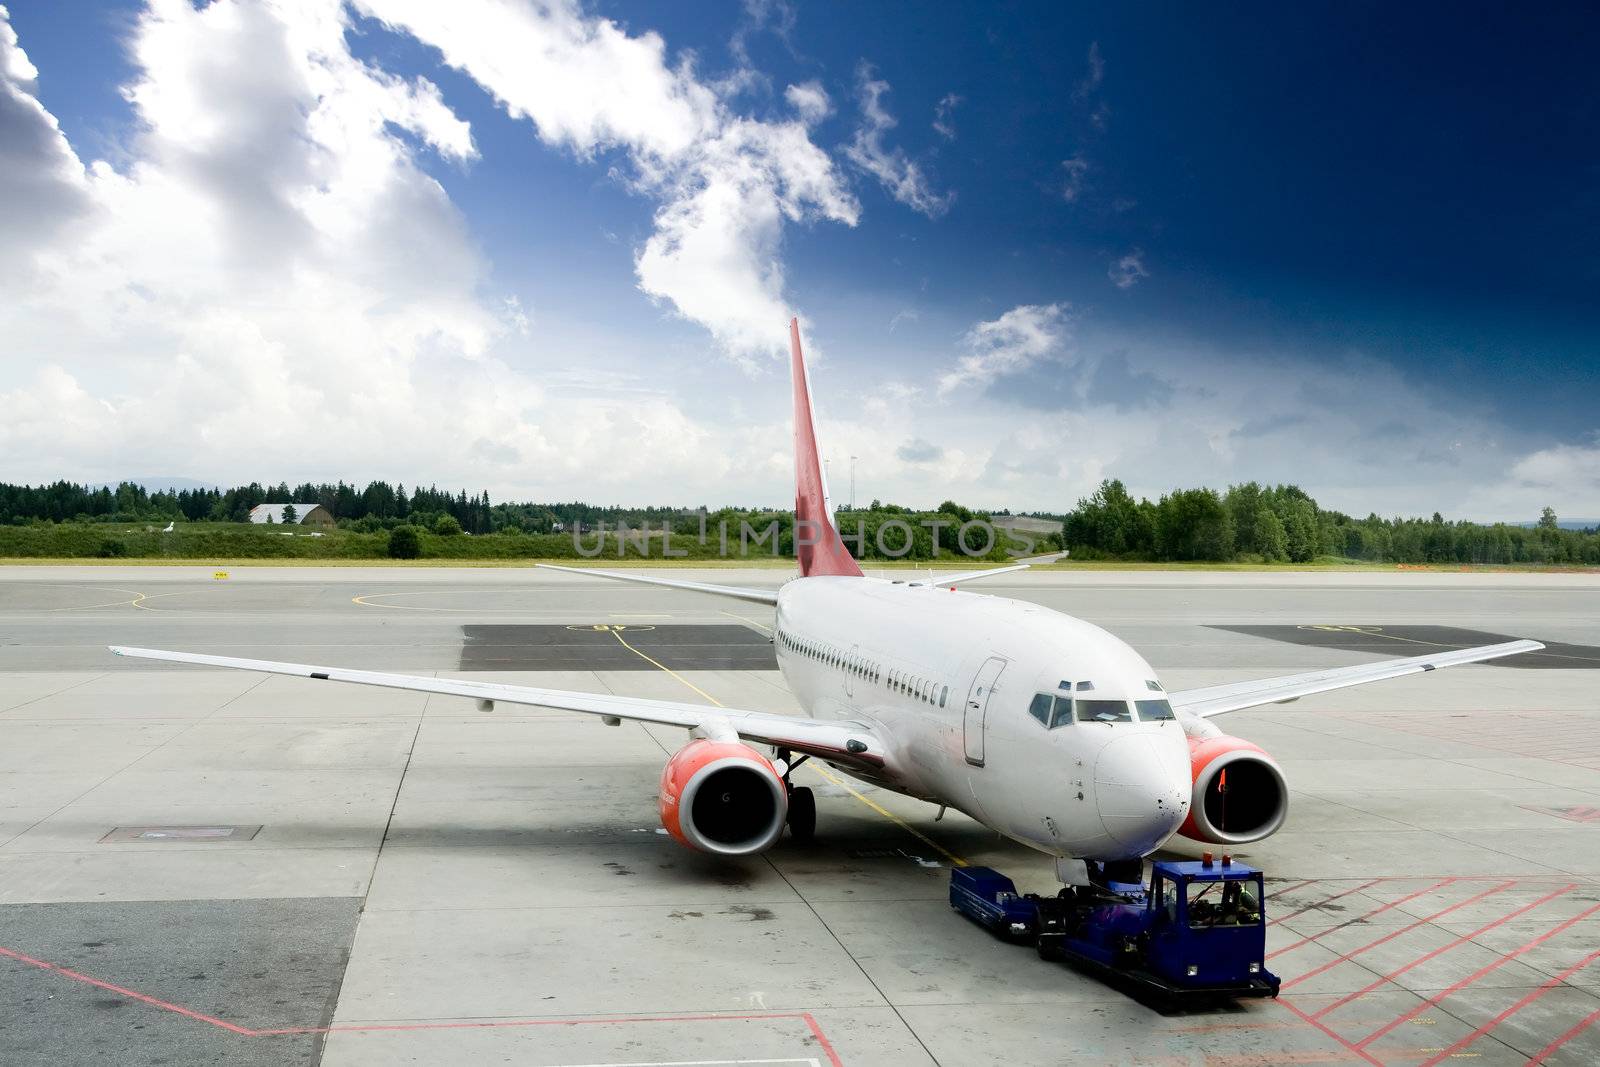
538 249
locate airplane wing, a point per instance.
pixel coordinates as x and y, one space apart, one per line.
1234 696
836 742
760 596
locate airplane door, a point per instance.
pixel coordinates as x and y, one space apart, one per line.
978 707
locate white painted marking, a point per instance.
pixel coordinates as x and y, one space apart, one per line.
695 1063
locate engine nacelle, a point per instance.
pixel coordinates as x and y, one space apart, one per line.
723 797
1239 792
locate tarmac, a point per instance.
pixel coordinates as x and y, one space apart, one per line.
202 867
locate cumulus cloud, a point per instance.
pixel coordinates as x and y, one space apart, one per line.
1563 468
272 286
917 450
810 101
1016 340
900 174
726 185
1129 270
42 184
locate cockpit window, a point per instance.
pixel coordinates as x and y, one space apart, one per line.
1052 711
1154 710
1152 685
1104 711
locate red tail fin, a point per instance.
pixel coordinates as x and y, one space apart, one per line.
816 540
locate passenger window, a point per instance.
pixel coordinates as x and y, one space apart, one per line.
942 694
1154 710
1040 708
1063 713
1104 711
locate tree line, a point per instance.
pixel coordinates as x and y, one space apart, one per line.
1282 523
1247 522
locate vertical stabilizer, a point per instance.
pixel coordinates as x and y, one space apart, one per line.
816 540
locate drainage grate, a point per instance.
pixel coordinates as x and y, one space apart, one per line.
180 833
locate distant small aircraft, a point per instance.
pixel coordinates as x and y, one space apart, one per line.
170 525
1043 727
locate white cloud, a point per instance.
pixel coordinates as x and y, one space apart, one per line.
272 287
1016 340
1075 170
1127 272
42 184
726 185
1094 76
810 101
1561 469
941 116
900 174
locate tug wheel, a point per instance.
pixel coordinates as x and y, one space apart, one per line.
802 813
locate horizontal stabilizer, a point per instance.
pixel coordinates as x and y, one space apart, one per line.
740 592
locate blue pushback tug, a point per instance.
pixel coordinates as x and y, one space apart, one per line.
1197 933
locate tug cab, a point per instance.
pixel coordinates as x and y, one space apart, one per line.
1198 932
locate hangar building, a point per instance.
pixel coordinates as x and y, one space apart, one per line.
305 514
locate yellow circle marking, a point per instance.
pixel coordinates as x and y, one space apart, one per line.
366 601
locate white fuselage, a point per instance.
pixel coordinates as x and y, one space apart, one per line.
947 679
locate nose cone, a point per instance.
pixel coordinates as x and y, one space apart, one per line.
1142 784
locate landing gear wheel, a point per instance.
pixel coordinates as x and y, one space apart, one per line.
802 814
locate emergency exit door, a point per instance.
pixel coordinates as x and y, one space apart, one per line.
978 707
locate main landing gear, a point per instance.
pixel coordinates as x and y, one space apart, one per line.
802 817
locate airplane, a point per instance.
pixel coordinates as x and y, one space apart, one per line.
1043 727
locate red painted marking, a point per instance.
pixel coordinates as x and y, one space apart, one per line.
1331 964
121 991
1347 1046
1292 888
1544 1053
1527 999
1579 814
244 1031
1474 976
1330 900
1362 918
827 1046
1463 939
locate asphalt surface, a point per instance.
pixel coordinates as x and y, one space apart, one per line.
430 884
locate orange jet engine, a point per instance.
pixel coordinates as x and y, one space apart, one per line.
1239 792
723 797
